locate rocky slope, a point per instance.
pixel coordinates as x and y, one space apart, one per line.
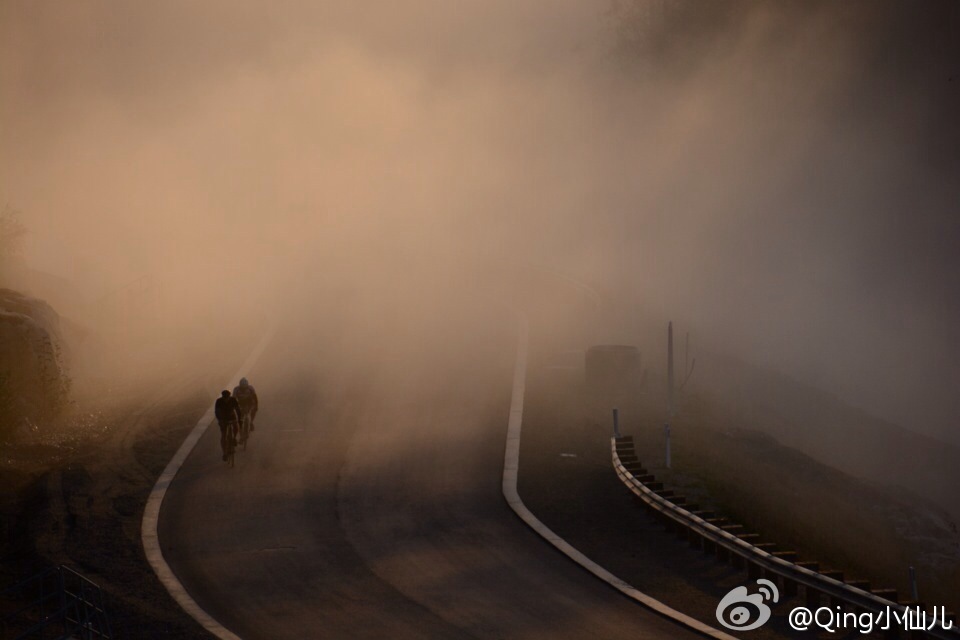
33 373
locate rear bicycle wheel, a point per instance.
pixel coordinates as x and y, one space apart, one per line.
244 431
230 449
230 444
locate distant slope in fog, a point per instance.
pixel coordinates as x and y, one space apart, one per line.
830 430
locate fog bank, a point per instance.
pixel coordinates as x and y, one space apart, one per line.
779 177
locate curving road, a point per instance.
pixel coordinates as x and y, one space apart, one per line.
369 503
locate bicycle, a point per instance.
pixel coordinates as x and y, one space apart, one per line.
229 441
245 422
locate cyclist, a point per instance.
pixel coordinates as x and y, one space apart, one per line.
246 395
227 410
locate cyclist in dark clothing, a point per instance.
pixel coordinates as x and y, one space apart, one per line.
227 410
246 395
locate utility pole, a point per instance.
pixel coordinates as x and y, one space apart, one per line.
666 431
670 409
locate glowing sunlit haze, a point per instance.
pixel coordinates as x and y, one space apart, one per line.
779 177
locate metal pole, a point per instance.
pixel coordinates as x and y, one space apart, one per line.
670 369
913 585
616 423
666 430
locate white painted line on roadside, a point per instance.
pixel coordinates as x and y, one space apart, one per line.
511 467
151 514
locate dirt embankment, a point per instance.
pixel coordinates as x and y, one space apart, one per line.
827 429
870 530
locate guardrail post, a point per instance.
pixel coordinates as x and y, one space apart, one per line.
812 596
670 405
737 561
679 529
723 554
788 587
709 546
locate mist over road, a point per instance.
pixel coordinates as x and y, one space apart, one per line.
369 502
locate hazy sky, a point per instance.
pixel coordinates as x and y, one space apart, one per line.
782 176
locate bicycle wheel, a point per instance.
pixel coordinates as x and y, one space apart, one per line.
230 444
244 431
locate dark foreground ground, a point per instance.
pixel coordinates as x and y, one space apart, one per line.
77 500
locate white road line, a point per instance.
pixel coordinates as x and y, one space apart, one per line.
511 467
151 514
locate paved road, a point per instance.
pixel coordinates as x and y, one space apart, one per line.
368 504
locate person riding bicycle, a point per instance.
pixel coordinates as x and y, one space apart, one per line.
227 410
246 395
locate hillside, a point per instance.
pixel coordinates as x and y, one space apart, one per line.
829 430
33 376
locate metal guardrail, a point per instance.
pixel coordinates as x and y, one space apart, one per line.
757 561
62 604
